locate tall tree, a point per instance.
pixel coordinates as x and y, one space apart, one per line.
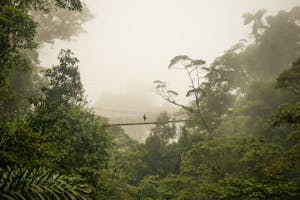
19 37
198 89
257 20
17 31
64 84
81 143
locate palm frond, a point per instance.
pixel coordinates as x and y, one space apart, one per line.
21 183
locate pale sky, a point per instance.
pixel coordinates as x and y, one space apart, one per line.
129 43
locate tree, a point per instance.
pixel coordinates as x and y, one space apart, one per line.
19 37
21 146
266 59
153 156
44 5
60 115
17 27
290 79
78 136
17 31
258 25
288 115
64 86
163 130
19 87
233 187
58 23
198 89
59 132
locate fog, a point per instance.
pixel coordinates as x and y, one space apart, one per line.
129 43
136 99
130 106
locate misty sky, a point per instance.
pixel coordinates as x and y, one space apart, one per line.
129 43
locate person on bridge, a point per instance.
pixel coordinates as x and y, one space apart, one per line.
144 117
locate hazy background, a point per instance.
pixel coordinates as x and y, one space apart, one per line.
129 44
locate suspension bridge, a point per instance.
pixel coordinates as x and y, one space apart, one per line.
133 118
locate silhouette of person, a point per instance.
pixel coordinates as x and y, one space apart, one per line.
144 117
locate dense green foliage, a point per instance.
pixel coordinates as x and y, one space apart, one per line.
52 146
244 142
